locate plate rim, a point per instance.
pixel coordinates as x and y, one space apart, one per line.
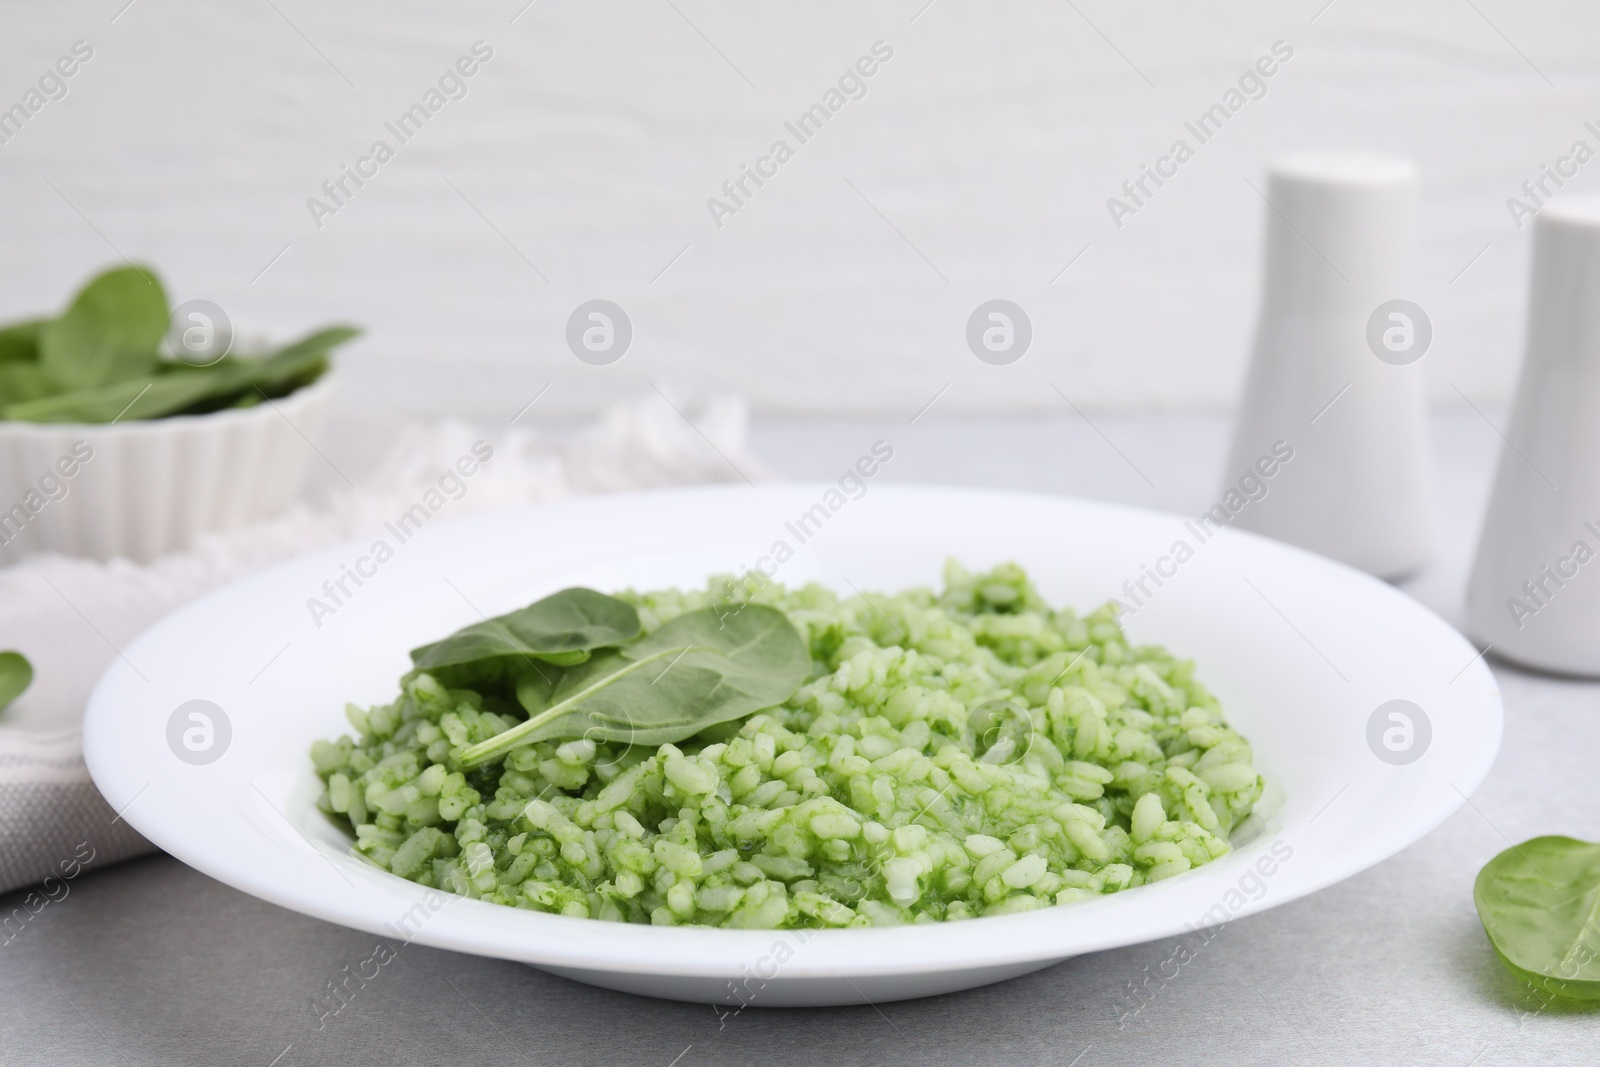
477 937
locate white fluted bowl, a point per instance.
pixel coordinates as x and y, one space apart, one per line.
139 490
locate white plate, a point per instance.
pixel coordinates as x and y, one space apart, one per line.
1300 650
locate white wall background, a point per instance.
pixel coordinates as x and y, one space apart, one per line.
592 139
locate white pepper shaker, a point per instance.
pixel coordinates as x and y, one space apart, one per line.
1334 378
1534 594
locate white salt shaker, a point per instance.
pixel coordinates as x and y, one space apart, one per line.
1534 594
1334 378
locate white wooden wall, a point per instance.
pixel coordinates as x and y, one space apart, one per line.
579 163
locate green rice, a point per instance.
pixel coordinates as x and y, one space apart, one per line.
955 754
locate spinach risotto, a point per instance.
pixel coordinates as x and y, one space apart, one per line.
792 758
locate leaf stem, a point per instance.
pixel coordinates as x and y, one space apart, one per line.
518 735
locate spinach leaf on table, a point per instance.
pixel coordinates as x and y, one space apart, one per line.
563 628
703 668
110 331
16 674
1540 905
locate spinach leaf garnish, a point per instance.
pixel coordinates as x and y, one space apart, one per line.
16 674
563 628
1540 905
703 668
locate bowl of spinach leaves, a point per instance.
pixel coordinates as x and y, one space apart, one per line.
114 442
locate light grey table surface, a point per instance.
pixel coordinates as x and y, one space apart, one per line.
150 962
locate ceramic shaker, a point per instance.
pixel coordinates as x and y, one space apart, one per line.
1334 404
1534 594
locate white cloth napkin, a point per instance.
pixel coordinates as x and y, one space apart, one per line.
71 616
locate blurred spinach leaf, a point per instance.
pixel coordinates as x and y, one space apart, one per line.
19 341
100 361
16 674
21 381
110 332
178 389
